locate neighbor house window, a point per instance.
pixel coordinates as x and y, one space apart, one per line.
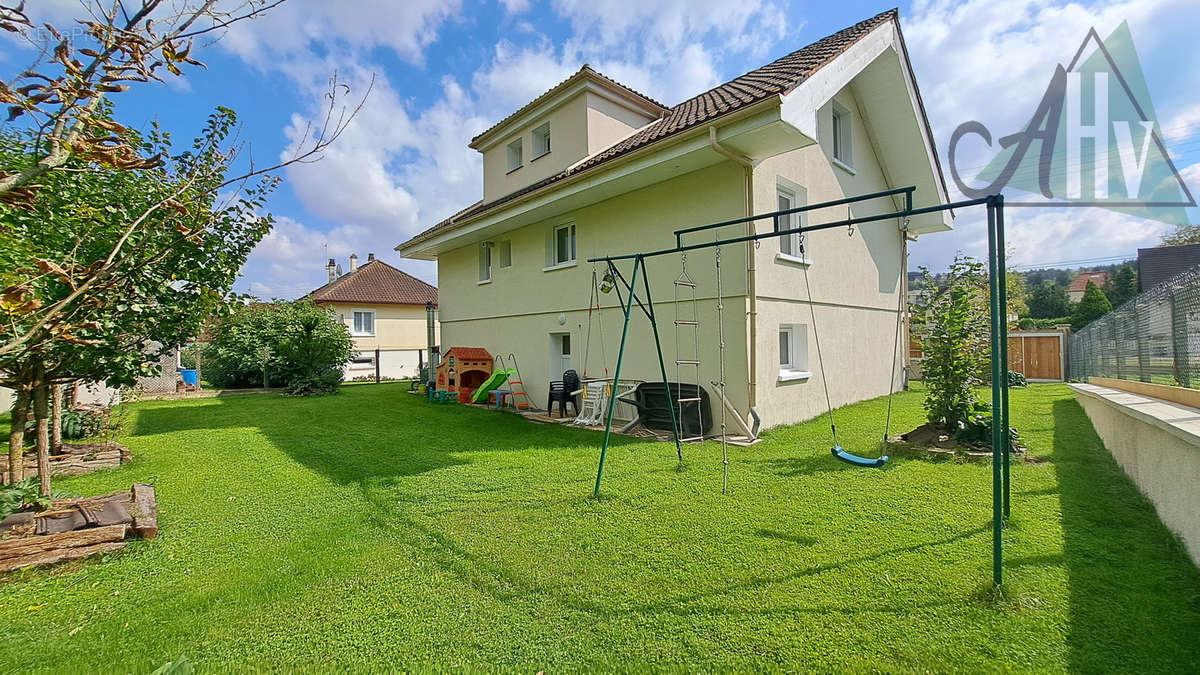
506 253
790 197
514 155
485 262
364 322
541 140
561 246
841 135
793 351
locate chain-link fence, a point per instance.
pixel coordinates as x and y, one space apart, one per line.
1154 337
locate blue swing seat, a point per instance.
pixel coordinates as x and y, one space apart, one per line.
841 454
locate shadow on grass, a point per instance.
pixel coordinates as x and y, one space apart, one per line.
352 438
1127 571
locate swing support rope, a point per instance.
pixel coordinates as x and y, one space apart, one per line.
996 296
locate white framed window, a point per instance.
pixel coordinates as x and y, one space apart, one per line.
515 159
560 247
485 262
793 248
363 322
793 352
541 141
842 136
505 253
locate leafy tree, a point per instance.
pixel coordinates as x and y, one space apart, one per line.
953 326
295 345
1121 285
1092 306
1049 300
111 244
1182 236
1017 293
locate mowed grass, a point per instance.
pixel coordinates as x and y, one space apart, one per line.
372 529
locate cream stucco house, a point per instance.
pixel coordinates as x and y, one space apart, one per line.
385 310
593 168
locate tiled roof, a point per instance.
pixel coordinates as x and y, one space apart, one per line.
376 283
778 77
585 70
470 353
1079 284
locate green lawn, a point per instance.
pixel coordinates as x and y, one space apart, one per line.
373 529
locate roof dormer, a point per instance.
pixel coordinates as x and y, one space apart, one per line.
580 116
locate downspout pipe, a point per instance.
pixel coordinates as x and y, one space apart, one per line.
751 293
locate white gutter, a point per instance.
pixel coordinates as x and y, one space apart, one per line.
752 311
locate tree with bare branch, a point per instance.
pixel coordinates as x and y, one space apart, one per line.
114 243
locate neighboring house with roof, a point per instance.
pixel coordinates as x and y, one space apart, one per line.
593 168
1156 265
384 309
1079 284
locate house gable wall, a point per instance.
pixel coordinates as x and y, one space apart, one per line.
855 279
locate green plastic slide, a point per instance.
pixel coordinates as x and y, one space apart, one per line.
498 378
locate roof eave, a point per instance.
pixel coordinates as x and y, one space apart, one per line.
419 248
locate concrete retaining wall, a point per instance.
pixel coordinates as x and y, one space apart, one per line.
1157 443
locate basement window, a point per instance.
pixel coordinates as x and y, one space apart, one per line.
514 155
541 140
793 352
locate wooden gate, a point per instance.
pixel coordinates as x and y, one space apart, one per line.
1037 354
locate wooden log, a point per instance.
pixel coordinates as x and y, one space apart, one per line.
144 511
59 555
24 546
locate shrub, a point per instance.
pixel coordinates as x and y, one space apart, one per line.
953 323
22 496
1016 379
295 345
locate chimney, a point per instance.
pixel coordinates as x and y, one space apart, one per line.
331 268
370 257
353 262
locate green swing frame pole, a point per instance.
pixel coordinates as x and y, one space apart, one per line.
1006 428
662 365
997 300
648 308
997 397
612 397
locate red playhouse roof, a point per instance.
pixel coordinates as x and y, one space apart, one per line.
472 353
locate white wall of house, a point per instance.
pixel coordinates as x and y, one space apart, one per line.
855 279
397 331
524 305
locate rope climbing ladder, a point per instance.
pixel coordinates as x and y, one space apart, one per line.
721 382
687 318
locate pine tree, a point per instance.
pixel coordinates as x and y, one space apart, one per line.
1093 306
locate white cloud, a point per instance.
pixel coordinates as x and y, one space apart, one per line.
988 61
515 6
299 26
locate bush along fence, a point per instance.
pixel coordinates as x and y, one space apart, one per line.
1155 337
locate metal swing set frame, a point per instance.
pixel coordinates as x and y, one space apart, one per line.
997 299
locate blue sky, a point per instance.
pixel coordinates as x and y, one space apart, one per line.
443 71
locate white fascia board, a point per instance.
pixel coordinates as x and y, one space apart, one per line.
801 105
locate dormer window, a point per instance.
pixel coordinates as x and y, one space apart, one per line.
514 155
541 140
